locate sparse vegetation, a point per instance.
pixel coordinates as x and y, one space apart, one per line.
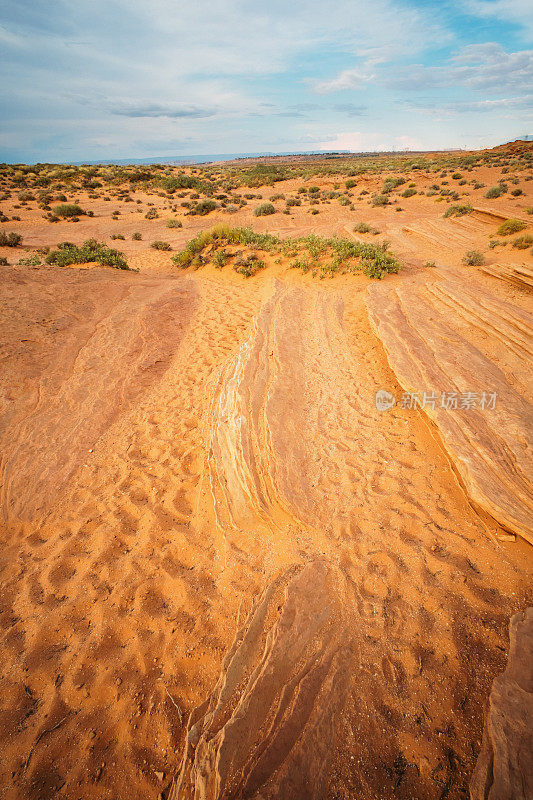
327 256
511 226
68 253
159 245
264 210
458 210
523 242
10 239
473 258
68 210
202 208
174 223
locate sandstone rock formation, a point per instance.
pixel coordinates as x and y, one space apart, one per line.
504 769
443 338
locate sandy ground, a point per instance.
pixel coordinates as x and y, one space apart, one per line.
175 443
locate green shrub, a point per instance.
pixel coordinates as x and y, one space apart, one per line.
118 236
248 266
10 239
30 261
391 183
473 258
409 193
158 245
380 200
151 214
511 226
346 255
458 210
293 201
136 237
220 258
174 223
493 192
349 184
202 208
68 210
523 242
68 253
362 227
264 210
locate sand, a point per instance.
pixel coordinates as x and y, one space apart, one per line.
198 492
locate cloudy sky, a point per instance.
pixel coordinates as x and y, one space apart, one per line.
104 79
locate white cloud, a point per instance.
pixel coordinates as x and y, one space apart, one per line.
347 79
519 12
483 67
358 142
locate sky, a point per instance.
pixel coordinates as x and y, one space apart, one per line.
115 79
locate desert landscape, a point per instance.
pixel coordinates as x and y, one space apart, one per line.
266 502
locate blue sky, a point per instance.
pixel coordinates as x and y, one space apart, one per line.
105 79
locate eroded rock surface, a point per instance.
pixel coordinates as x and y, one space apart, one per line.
268 729
441 338
505 765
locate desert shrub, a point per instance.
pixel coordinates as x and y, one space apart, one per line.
174 223
30 261
380 200
3 261
457 176
118 236
430 264
68 210
26 197
220 258
151 214
275 197
349 184
409 193
68 253
494 192
473 258
523 242
202 208
136 237
362 227
511 226
346 255
174 182
248 266
517 192
10 239
159 245
344 200
264 210
391 183
458 210
293 201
